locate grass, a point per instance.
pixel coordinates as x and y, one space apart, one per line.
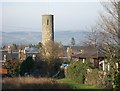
75 85
32 83
42 83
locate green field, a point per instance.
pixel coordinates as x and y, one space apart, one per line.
75 85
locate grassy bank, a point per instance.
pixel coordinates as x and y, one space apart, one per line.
42 83
75 85
32 83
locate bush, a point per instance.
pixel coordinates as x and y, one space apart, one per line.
117 80
50 68
54 66
27 66
98 78
13 67
76 71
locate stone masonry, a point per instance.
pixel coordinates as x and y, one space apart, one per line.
47 28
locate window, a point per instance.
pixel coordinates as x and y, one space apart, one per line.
47 22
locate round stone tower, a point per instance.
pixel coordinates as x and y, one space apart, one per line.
47 28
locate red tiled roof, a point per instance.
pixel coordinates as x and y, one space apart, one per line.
3 71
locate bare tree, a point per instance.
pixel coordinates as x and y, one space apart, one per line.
96 37
51 52
106 33
109 23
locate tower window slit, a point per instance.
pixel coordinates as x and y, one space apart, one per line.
47 22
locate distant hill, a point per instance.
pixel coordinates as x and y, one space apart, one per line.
34 37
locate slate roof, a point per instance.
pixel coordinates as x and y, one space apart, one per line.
74 48
89 52
10 56
14 55
31 49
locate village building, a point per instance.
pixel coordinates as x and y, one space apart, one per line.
87 53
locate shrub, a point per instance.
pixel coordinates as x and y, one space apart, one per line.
27 66
98 78
49 69
76 71
54 66
50 52
117 80
13 67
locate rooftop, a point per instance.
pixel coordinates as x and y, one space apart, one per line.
47 15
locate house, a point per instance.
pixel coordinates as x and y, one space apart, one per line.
91 53
31 51
21 54
95 56
5 55
69 50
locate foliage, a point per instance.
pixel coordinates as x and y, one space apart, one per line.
72 41
109 24
51 52
66 61
117 81
39 45
27 66
14 71
76 71
98 78
54 66
13 67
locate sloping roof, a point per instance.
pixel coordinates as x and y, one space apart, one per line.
10 56
89 52
3 71
31 49
75 48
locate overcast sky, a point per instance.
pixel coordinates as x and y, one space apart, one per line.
68 16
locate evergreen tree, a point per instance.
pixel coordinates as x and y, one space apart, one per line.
27 66
72 41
